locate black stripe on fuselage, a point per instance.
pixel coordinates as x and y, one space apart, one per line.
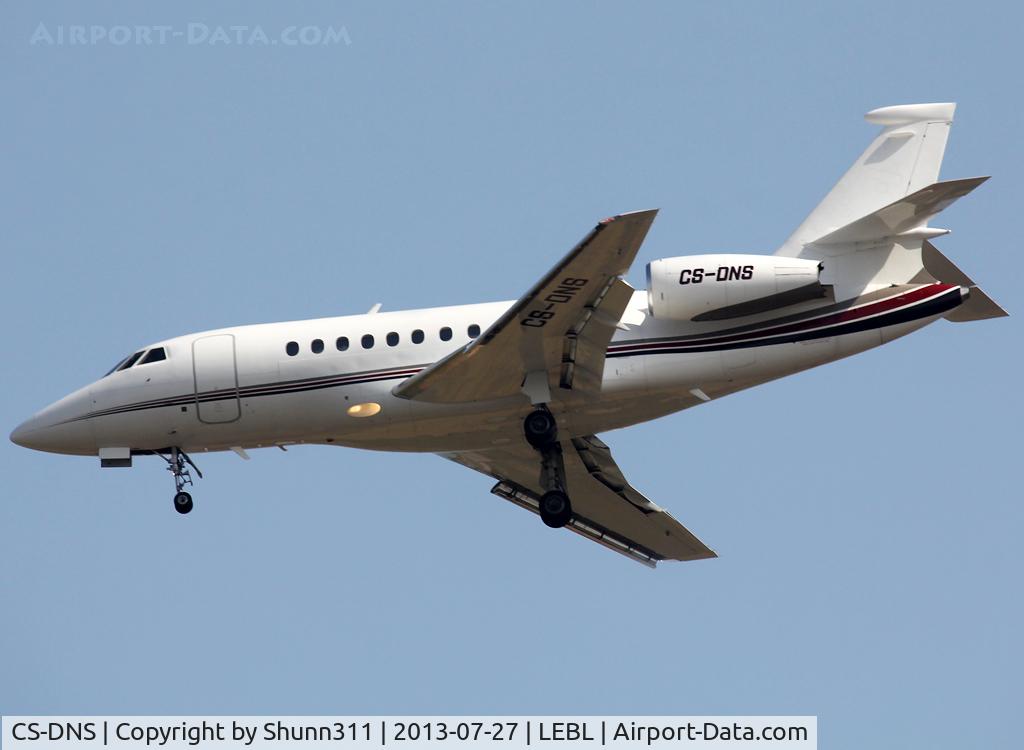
932 306
936 305
264 389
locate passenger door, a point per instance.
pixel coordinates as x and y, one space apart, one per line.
216 379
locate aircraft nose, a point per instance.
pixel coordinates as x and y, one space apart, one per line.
22 434
35 434
73 437
56 430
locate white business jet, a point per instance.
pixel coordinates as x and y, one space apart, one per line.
519 390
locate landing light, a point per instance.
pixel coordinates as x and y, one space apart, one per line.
364 410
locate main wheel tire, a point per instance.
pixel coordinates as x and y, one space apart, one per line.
183 502
555 509
540 429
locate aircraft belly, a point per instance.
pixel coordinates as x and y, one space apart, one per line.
891 333
636 389
693 370
625 375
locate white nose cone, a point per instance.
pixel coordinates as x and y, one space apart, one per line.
59 428
22 434
70 437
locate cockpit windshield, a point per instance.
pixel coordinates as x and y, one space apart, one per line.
119 363
156 354
125 363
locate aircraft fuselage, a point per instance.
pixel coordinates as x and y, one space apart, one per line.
242 387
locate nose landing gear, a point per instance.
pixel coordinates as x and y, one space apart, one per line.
178 464
183 502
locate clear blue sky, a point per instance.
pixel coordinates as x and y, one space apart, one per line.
867 514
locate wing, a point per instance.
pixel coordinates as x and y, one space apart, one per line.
553 340
606 509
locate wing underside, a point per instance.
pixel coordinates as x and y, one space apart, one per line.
550 348
606 508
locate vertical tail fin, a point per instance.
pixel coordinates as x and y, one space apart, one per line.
904 158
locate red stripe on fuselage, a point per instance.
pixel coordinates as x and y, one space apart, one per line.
844 316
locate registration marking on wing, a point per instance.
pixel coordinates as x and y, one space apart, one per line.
563 293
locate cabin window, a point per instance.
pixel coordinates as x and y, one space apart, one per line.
292 348
367 341
392 339
154 355
473 331
341 343
446 334
417 336
317 346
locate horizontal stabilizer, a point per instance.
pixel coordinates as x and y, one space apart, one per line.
978 305
906 216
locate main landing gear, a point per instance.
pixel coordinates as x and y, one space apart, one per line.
555 509
178 464
541 431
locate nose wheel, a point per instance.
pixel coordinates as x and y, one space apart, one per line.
183 502
178 464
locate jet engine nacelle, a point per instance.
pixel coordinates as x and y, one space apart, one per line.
718 287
